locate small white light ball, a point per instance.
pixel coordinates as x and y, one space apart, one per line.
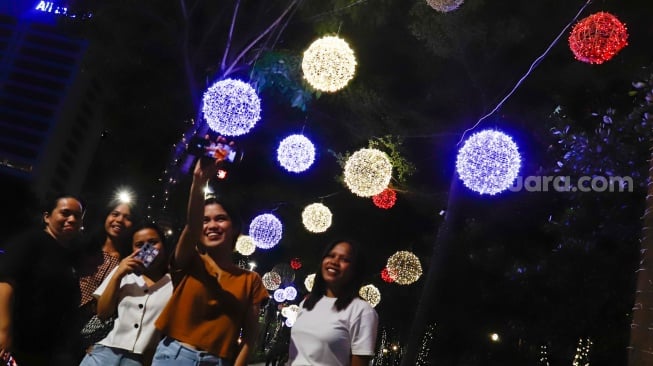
296 153
316 218
329 64
368 172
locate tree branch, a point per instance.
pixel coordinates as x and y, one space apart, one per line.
247 48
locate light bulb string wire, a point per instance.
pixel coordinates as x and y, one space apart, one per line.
532 67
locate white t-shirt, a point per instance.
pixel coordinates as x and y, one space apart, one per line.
138 307
328 337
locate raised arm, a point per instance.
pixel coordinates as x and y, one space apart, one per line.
192 232
6 300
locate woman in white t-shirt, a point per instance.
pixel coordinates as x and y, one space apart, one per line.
334 326
137 290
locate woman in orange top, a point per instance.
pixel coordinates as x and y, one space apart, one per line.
214 299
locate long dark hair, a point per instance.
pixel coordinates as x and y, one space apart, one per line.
350 289
95 239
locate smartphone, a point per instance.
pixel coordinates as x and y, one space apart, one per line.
212 148
147 254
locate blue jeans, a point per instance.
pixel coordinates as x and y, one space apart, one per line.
171 352
108 356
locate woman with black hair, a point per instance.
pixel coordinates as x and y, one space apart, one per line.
136 291
212 317
334 326
39 290
99 255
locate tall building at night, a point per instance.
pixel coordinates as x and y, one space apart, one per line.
50 122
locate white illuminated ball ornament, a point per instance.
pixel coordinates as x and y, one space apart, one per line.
329 64
279 295
231 107
404 267
316 218
371 294
309 281
296 153
290 293
245 245
368 172
266 231
271 280
488 162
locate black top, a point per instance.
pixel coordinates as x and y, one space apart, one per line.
46 293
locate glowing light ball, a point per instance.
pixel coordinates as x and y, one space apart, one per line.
488 162
386 199
309 281
385 275
368 172
598 38
271 280
231 107
285 271
370 294
245 245
404 267
316 218
296 153
290 312
279 295
295 263
329 64
444 6
266 231
290 293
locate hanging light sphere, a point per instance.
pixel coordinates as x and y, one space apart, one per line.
245 245
295 263
266 231
285 271
279 295
290 312
309 281
231 107
329 64
368 172
488 162
371 294
598 38
385 275
444 6
271 280
296 153
404 267
290 293
386 199
316 218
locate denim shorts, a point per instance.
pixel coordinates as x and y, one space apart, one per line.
171 352
108 356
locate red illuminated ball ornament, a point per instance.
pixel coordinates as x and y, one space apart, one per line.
385 199
385 276
598 38
295 264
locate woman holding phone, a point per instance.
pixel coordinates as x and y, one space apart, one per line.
136 290
214 299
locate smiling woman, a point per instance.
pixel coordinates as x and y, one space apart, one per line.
333 302
100 255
